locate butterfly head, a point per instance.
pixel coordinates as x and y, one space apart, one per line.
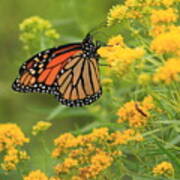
89 47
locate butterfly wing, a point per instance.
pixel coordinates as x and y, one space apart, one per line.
79 82
39 73
69 72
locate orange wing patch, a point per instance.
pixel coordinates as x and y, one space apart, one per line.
61 58
27 79
49 75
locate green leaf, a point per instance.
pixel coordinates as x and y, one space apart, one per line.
168 153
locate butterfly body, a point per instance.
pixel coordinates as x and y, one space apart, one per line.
69 72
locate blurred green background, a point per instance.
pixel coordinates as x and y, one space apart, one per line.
72 19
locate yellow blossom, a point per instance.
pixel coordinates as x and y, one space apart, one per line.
40 23
107 81
168 42
36 30
41 126
158 29
164 168
11 135
144 78
11 141
90 154
116 41
117 13
52 34
99 162
163 16
124 137
77 178
169 72
65 141
168 3
100 134
149 3
136 113
120 58
54 178
36 175
66 165
131 3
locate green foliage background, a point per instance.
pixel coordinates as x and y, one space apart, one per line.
72 19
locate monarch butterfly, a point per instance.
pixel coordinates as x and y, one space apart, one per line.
69 72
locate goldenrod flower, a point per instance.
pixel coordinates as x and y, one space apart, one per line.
54 178
168 42
119 138
90 154
116 41
64 167
36 175
149 3
136 113
164 168
107 82
117 13
52 34
158 29
144 78
36 21
63 142
77 178
119 56
100 134
99 162
11 141
169 72
131 3
37 31
41 126
163 16
168 3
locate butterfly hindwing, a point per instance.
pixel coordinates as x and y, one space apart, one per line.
79 82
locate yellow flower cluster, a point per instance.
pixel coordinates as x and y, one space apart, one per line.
11 140
66 165
135 9
149 3
169 72
117 13
124 137
161 21
41 126
35 29
158 29
90 154
164 168
100 161
136 113
163 16
144 78
38 175
118 55
168 42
